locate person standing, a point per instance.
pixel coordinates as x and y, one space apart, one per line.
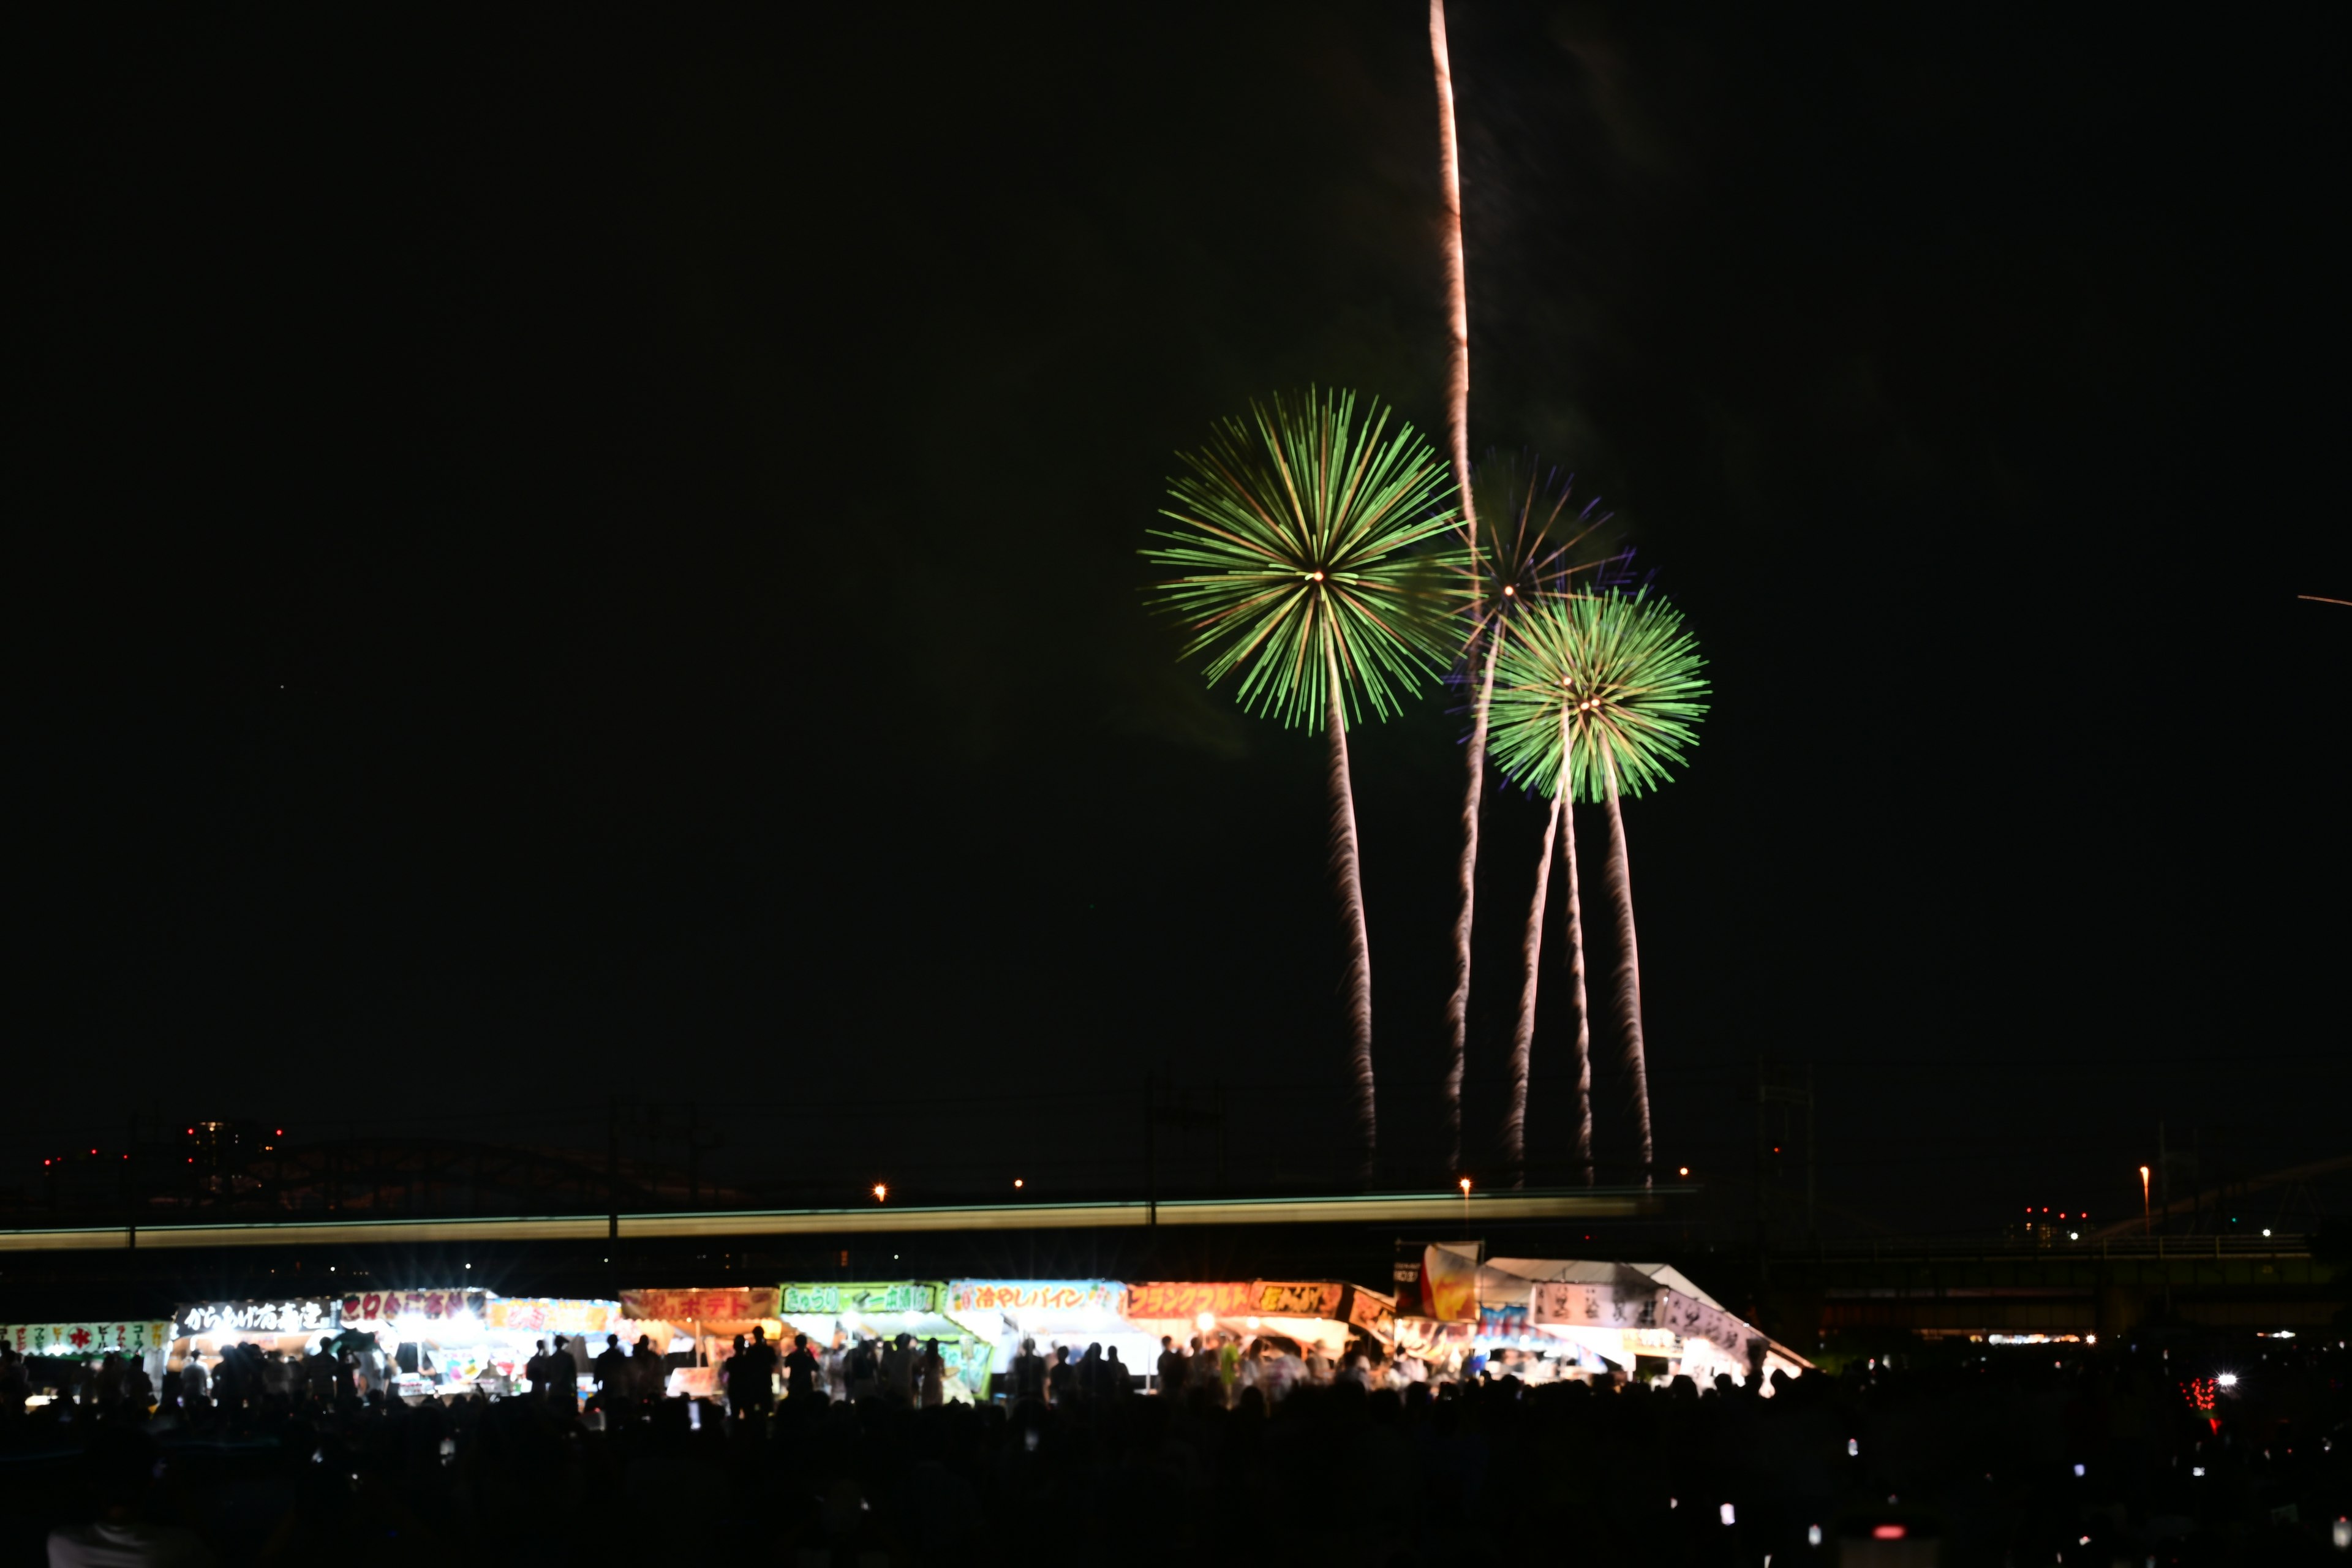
647 1374
1028 1373
195 1382
611 1368
1172 1366
759 1377
865 1371
898 1371
931 1377
563 1378
799 1369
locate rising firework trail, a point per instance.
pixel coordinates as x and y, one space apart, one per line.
1621 674
1457 429
1539 558
1318 565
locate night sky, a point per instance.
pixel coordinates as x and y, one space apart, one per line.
555 560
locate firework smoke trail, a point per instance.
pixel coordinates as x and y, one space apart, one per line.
1457 362
1576 963
1515 1120
1347 865
1457 1008
1629 960
1458 423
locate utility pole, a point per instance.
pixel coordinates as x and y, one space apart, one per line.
612 1168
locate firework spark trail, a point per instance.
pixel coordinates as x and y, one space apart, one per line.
1515 1120
1348 867
1457 1007
1576 965
1457 295
1457 425
1629 961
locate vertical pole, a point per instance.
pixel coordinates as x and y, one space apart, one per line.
1813 1221
1219 1089
612 1168
1151 1149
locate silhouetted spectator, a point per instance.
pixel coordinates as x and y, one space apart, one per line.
799 1369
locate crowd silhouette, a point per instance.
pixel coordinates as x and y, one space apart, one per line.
2184 1451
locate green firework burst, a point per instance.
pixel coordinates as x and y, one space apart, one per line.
1625 672
1305 538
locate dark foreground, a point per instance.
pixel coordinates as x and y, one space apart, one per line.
2012 1455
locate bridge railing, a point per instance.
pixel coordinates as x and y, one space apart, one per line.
2022 1249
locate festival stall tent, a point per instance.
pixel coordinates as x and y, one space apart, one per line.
451 1341
1001 1313
698 1327
1548 1318
148 1343
294 1326
837 1313
1322 1315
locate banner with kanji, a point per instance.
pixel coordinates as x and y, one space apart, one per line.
1233 1298
85 1338
725 1303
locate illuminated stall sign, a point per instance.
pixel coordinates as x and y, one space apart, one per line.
725 1304
1063 1295
1273 1297
550 1315
85 1338
381 1306
307 1315
1376 1315
1235 1299
1655 1307
870 1300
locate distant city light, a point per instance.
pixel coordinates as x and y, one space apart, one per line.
1016 1182
1727 1515
2226 1379
1887 1532
1685 1171
881 1192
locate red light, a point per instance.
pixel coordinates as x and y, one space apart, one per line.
280 1133
192 1133
1887 1532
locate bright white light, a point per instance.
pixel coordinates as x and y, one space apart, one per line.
2196 1470
1205 1321
1853 1448
2228 1380
2266 1230
2078 1471
2343 1535
1727 1516
2072 1237
1812 1535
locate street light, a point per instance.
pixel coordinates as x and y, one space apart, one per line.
2146 1218
881 1192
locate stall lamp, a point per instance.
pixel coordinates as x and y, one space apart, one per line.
1205 1321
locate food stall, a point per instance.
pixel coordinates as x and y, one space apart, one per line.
834 1313
702 1325
1319 1314
147 1343
1000 1314
1545 1318
294 1327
